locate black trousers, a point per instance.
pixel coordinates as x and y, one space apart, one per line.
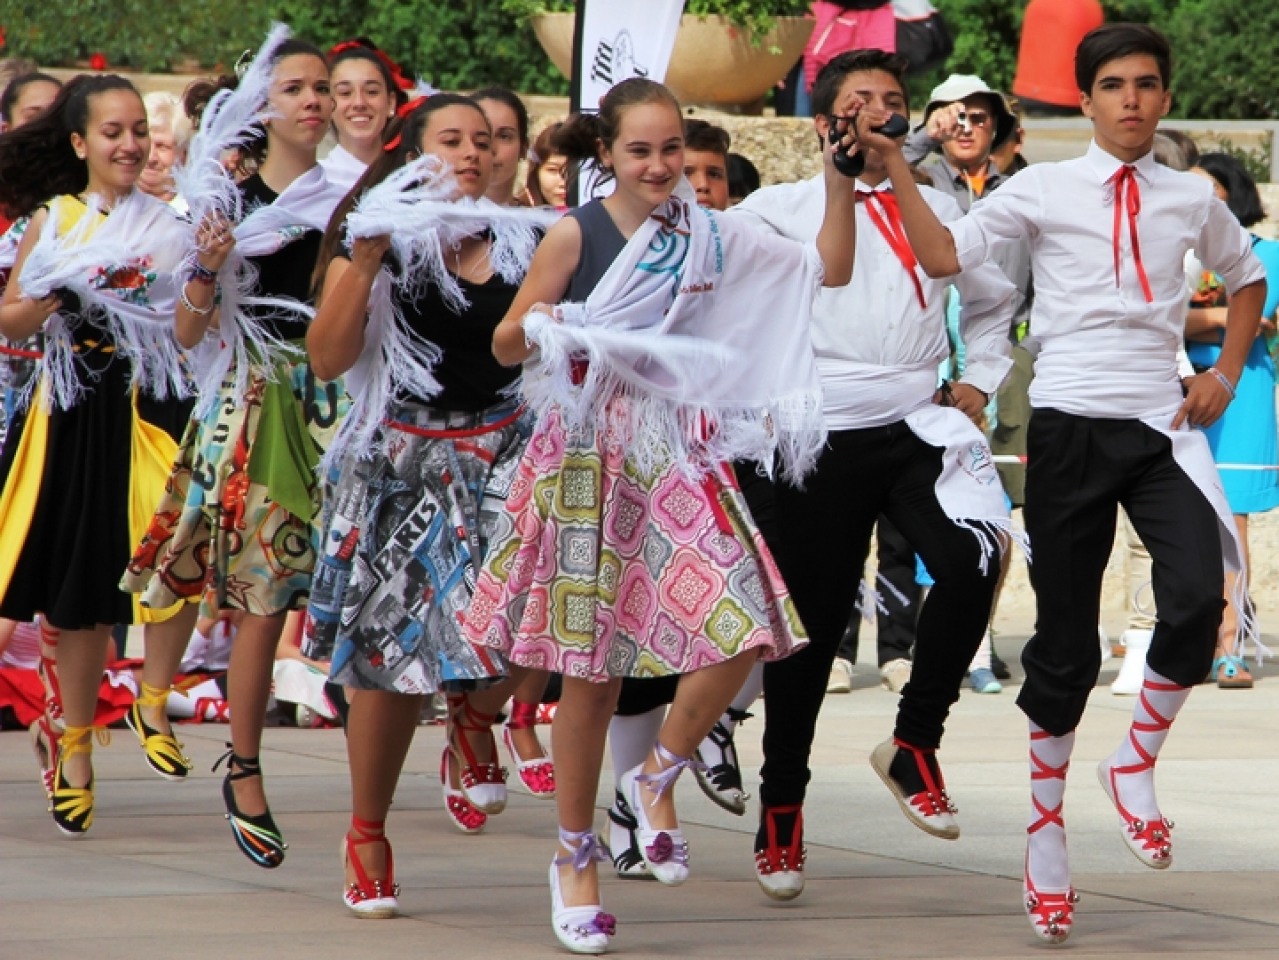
1081 469
823 536
899 593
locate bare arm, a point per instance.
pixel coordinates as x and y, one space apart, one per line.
21 317
933 244
1207 397
837 238
335 338
546 283
196 302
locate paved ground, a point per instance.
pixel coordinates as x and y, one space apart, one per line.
159 877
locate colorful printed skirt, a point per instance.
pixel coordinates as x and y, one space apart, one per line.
599 571
405 532
235 528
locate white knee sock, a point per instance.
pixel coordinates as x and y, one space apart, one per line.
1047 861
631 739
1133 764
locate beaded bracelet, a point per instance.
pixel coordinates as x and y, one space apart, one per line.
1223 380
199 273
186 302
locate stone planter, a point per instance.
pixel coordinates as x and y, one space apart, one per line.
713 61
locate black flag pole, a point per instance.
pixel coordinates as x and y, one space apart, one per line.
579 38
575 90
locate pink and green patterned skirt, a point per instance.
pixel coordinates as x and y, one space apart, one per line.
597 570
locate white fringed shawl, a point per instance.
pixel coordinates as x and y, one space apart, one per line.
230 121
418 207
128 266
700 327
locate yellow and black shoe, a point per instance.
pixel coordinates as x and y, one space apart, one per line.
164 753
256 835
72 807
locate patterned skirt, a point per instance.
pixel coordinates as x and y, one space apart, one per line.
404 534
235 527
598 570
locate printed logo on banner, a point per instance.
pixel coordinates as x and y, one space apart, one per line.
615 62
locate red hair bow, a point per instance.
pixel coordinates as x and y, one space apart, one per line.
403 113
401 81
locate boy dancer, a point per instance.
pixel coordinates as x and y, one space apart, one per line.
1111 425
897 446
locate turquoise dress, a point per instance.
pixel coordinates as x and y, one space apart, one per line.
1248 433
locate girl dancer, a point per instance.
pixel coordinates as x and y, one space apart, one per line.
431 444
508 117
632 552
234 529
367 90
97 272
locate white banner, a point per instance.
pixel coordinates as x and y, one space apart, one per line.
621 39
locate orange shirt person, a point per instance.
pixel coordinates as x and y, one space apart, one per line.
1050 31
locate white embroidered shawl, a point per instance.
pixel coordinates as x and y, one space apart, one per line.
700 328
418 207
129 267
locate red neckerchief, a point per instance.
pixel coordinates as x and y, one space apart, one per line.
1129 199
890 226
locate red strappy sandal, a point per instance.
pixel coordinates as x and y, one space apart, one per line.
367 898
537 774
1051 913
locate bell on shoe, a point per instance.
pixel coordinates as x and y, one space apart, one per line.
367 898
719 772
779 867
462 813
585 929
1051 915
484 784
1150 841
665 850
256 835
929 808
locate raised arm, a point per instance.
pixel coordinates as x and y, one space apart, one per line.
21 317
335 338
837 238
933 244
544 286
197 300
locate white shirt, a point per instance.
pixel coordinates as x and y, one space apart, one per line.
1103 350
343 168
877 350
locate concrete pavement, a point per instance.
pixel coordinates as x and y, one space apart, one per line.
158 875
